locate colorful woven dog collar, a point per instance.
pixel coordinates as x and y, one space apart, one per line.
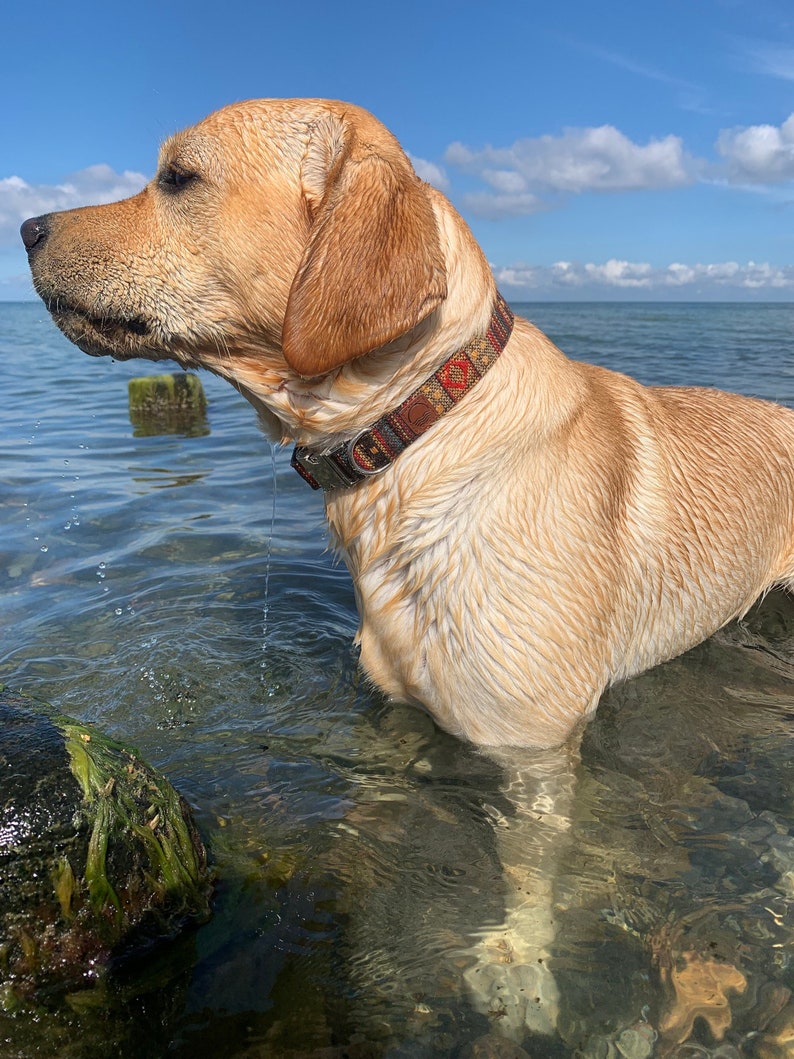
375 448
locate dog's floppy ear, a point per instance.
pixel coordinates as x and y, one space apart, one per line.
373 266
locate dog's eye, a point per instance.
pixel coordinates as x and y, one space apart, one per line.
174 179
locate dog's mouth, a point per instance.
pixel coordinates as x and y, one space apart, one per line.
104 335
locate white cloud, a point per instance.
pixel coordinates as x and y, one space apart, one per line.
620 273
540 173
486 204
600 159
633 66
621 278
769 59
97 184
759 154
430 172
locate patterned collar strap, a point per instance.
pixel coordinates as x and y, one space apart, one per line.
375 448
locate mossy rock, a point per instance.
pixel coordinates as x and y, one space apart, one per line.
168 404
99 855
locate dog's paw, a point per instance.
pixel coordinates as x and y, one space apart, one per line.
514 988
492 1047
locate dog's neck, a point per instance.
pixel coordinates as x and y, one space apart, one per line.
375 448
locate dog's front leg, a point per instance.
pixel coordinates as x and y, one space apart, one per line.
510 978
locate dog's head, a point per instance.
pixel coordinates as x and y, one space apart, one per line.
290 232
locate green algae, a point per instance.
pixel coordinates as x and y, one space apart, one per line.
99 855
125 797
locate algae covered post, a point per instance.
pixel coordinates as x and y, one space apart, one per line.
168 404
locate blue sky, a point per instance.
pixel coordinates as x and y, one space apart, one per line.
598 150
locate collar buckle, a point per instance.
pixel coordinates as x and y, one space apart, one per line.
336 469
321 469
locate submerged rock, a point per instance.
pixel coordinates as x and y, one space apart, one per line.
99 855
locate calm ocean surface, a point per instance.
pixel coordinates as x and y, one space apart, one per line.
177 592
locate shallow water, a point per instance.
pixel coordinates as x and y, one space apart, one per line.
146 586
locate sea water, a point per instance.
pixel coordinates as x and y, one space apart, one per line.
147 586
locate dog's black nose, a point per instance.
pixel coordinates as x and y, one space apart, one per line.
34 232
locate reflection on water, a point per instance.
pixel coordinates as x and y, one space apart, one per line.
359 850
687 858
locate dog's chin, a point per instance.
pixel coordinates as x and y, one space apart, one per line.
123 338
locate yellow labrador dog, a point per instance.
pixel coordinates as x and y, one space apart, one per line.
557 528
521 530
